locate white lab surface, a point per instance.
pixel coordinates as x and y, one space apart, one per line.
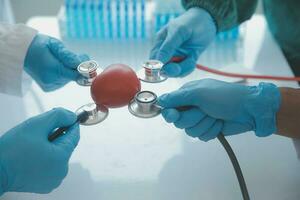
129 158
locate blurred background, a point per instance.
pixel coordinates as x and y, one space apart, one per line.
24 9
113 21
23 12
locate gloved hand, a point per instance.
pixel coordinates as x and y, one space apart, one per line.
186 36
50 64
216 106
28 161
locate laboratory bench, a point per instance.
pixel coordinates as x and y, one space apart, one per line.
125 157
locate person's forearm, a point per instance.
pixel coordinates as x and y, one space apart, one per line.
288 116
227 13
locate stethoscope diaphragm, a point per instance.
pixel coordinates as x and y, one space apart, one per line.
96 114
144 105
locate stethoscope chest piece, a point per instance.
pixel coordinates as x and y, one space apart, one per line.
88 71
95 114
144 105
151 72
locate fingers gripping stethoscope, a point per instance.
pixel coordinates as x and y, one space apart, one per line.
143 105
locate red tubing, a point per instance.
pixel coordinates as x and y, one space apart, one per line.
237 75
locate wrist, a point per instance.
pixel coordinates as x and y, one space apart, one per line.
34 51
263 105
288 114
30 53
204 16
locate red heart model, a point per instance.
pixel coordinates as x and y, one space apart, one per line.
115 87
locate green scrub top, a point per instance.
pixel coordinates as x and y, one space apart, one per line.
283 18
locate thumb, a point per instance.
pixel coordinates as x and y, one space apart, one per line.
65 56
53 119
175 38
178 98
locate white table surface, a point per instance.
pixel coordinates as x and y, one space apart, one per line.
129 158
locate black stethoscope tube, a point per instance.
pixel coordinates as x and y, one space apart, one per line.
233 159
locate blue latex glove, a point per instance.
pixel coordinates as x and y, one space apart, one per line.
218 106
50 64
28 161
186 36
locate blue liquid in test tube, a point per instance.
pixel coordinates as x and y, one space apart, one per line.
84 20
126 8
76 20
92 19
118 8
109 19
68 19
143 19
134 15
101 19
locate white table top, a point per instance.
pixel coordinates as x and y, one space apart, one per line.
129 158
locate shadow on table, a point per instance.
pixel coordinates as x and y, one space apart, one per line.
187 175
12 112
78 185
204 171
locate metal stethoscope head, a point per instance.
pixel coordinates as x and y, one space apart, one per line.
88 71
95 114
144 105
151 72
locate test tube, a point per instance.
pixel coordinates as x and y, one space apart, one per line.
126 9
101 19
92 19
134 16
109 19
68 19
118 21
143 20
83 20
76 18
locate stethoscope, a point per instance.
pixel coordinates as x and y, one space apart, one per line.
143 105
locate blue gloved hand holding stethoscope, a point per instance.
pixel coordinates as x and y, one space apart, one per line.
50 63
218 107
186 36
28 161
